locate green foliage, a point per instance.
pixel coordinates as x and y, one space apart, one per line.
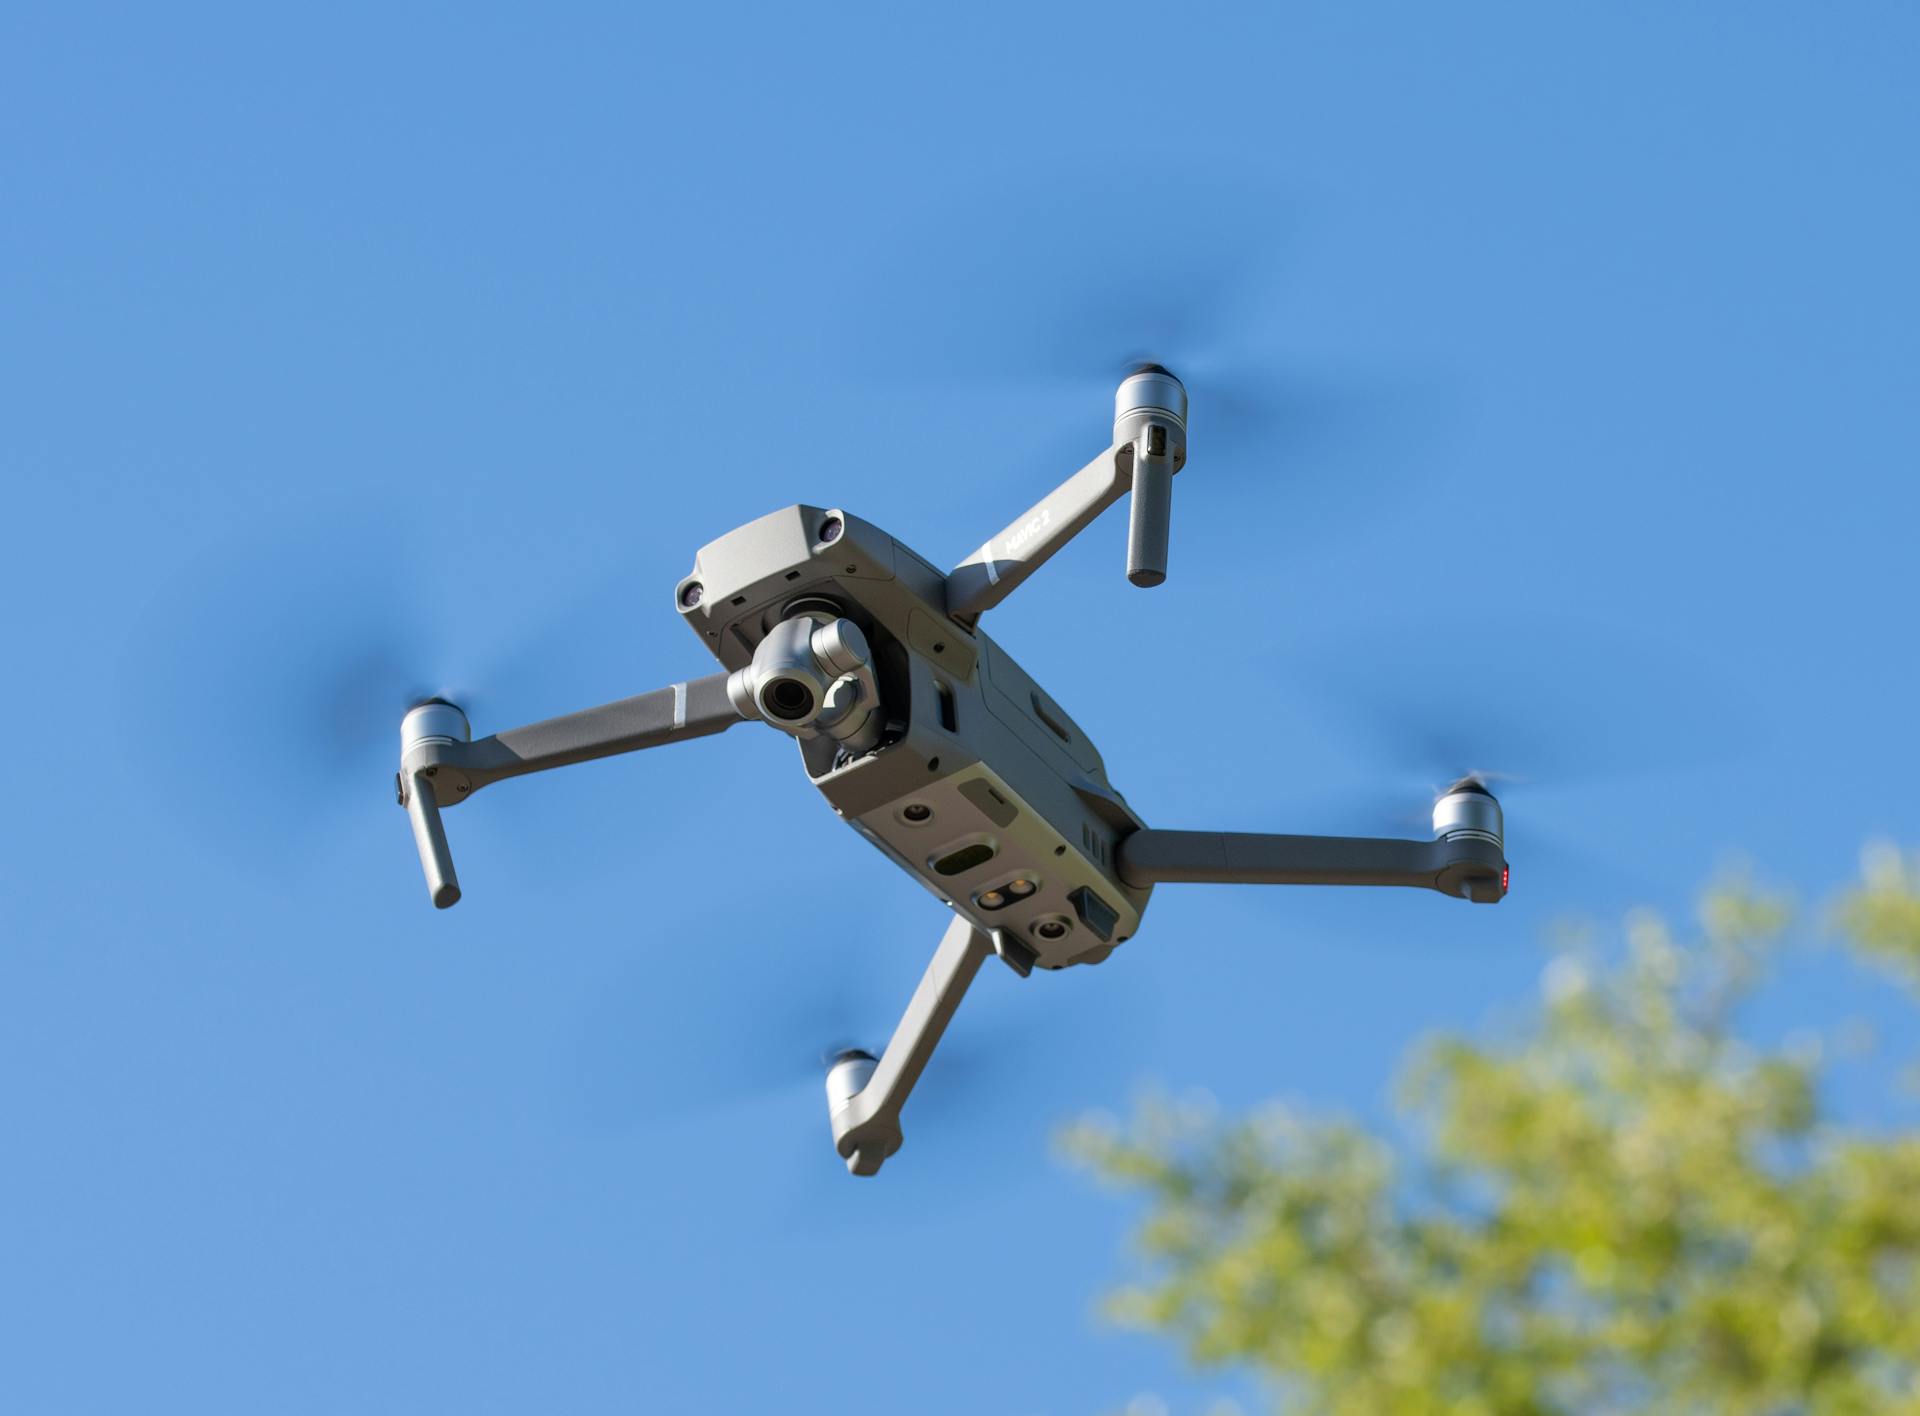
1882 916
1624 1208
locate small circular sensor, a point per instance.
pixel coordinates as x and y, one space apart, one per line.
831 528
691 593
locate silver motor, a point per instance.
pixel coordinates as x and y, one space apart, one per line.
848 1076
1468 811
812 677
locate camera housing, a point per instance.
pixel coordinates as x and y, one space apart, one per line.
812 675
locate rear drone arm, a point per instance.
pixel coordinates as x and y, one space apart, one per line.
1149 446
439 766
1465 858
865 1096
1473 869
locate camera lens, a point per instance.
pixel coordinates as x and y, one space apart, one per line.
787 699
1051 929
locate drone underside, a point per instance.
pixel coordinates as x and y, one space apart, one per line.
929 739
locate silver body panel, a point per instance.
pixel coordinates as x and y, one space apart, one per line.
980 778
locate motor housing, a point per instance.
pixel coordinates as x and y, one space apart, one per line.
848 1076
1468 811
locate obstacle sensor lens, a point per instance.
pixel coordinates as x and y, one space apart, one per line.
992 899
917 811
690 594
1020 889
831 528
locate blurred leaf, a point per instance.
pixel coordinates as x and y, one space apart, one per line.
1881 915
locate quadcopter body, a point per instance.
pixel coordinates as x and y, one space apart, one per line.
951 759
928 739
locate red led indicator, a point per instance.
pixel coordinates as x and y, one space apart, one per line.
1506 877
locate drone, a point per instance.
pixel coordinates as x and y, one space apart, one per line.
927 738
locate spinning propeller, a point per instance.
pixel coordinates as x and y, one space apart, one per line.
1046 297
288 663
1563 718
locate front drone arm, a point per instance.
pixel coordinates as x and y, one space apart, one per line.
685 710
440 767
866 1119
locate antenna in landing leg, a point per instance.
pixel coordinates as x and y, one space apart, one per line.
1150 418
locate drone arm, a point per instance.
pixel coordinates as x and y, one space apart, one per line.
684 710
997 569
439 767
1463 866
866 1129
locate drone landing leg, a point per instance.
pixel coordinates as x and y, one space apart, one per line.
1463 867
439 767
866 1127
430 838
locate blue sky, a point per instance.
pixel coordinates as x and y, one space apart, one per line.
426 344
